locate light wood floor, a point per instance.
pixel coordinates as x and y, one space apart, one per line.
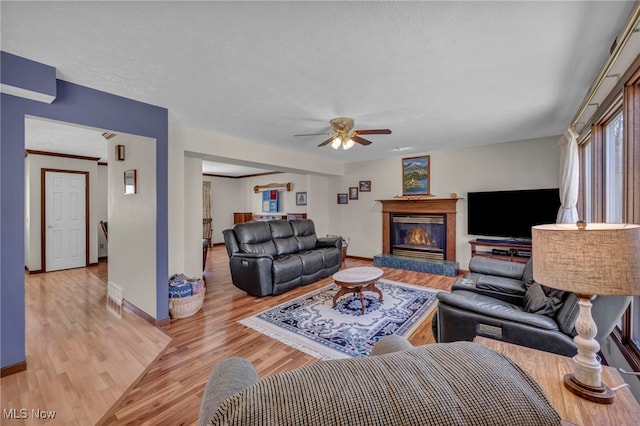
81 355
170 390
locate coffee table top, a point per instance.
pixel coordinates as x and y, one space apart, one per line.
358 275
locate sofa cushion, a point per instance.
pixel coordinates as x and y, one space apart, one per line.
331 256
305 232
443 384
543 300
312 261
286 267
255 237
283 238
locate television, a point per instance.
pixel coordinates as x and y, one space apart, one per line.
511 214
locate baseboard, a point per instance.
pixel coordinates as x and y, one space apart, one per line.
360 258
94 263
161 323
216 244
35 271
13 369
103 258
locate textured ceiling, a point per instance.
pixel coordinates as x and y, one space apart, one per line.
439 74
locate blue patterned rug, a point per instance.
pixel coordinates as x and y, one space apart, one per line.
311 325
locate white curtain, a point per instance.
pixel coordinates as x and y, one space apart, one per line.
569 176
206 199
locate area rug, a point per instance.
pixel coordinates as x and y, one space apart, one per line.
310 324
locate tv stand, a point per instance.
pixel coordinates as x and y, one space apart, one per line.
510 250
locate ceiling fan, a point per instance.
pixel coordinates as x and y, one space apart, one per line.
344 135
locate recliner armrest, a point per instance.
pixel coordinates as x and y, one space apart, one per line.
329 242
485 306
507 289
252 255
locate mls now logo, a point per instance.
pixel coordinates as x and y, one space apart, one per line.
14 413
23 413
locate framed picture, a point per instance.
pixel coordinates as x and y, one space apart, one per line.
343 198
301 198
364 186
130 182
415 175
271 201
353 192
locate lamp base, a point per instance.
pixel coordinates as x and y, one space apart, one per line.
601 394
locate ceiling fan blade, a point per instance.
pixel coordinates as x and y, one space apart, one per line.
313 134
361 141
327 141
374 132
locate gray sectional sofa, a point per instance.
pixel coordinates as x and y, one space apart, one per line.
272 257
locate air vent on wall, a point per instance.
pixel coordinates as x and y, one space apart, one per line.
108 135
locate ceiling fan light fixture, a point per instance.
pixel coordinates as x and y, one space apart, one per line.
335 144
348 143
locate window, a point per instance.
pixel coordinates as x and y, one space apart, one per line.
587 182
613 177
609 178
635 322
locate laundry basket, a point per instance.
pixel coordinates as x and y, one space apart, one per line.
183 307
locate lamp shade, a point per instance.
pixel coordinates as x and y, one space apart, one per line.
601 259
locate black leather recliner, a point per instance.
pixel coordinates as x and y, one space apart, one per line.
538 317
269 258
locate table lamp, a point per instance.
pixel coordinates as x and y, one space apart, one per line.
588 259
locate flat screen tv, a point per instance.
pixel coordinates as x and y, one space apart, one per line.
511 214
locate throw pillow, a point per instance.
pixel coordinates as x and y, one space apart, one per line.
527 274
543 300
568 314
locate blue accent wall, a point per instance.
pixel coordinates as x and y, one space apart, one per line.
28 75
79 105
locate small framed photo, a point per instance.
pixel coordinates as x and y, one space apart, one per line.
301 198
353 192
343 198
364 186
130 182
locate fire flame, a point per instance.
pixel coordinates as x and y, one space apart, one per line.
417 236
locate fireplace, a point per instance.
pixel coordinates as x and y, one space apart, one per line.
419 228
423 236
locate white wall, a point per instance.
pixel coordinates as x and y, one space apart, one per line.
192 217
101 208
227 197
34 163
514 165
316 187
132 222
175 189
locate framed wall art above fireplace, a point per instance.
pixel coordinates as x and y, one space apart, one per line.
415 175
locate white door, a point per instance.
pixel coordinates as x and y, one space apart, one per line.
65 221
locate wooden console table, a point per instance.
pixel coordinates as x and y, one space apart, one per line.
548 370
512 248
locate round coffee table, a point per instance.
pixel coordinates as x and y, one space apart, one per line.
357 280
